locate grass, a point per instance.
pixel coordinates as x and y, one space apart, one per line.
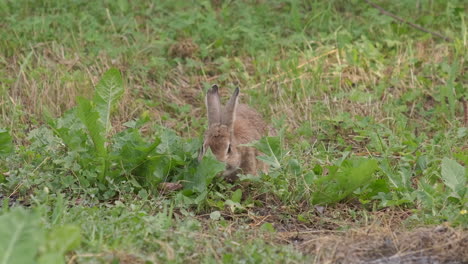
372 139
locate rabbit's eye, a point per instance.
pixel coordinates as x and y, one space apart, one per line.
229 149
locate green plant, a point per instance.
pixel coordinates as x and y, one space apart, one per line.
372 132
102 158
342 180
6 144
455 178
95 117
25 240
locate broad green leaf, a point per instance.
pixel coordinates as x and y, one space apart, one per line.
237 196
6 145
108 91
20 237
454 176
131 150
70 130
59 241
426 194
58 211
343 181
143 194
63 239
170 141
90 118
154 169
51 258
271 148
270 160
294 167
374 188
208 168
400 179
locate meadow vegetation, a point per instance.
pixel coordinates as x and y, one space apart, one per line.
102 112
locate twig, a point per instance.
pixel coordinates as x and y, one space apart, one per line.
385 12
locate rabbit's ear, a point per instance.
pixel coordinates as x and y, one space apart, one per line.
213 105
230 109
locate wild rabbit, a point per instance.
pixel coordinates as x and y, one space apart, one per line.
228 128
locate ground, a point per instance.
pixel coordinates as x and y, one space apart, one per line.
102 115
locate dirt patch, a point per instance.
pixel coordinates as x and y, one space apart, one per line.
384 246
334 235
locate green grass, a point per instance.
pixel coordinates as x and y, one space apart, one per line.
369 112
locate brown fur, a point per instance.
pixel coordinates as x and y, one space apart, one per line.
234 124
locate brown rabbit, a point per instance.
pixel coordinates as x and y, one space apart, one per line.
228 128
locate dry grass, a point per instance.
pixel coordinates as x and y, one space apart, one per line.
386 245
314 84
315 79
378 238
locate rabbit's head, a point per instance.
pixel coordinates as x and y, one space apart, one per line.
220 134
